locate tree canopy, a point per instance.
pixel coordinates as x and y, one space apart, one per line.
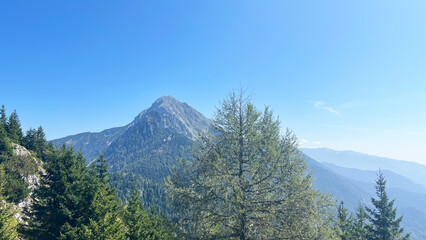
384 223
247 181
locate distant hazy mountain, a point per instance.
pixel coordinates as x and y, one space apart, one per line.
394 180
349 159
342 188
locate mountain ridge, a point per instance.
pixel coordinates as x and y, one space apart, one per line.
184 119
351 159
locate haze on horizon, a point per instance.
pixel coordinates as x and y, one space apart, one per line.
343 75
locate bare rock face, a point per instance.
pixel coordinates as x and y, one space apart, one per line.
20 150
178 116
32 181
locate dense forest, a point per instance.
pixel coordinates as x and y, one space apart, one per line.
246 181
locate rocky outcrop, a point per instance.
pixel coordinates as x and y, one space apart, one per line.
31 180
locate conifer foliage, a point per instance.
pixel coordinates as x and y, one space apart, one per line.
360 224
5 145
8 222
105 219
13 128
72 200
345 223
136 218
247 181
142 225
378 223
60 205
384 224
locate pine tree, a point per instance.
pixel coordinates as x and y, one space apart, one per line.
247 181
13 128
384 224
8 222
105 219
60 206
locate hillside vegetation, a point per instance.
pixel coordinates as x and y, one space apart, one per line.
245 181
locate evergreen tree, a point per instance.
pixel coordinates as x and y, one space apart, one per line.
13 128
105 219
247 182
8 222
140 225
35 140
28 140
15 188
40 141
5 146
345 223
3 117
360 224
159 227
384 224
136 218
60 206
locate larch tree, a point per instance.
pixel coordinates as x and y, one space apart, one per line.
247 181
384 223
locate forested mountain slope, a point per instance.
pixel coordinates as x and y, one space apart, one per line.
91 144
142 153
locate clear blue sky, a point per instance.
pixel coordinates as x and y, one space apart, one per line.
341 74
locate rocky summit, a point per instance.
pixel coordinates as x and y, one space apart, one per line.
173 116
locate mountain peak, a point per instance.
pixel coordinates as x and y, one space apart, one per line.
166 102
177 115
